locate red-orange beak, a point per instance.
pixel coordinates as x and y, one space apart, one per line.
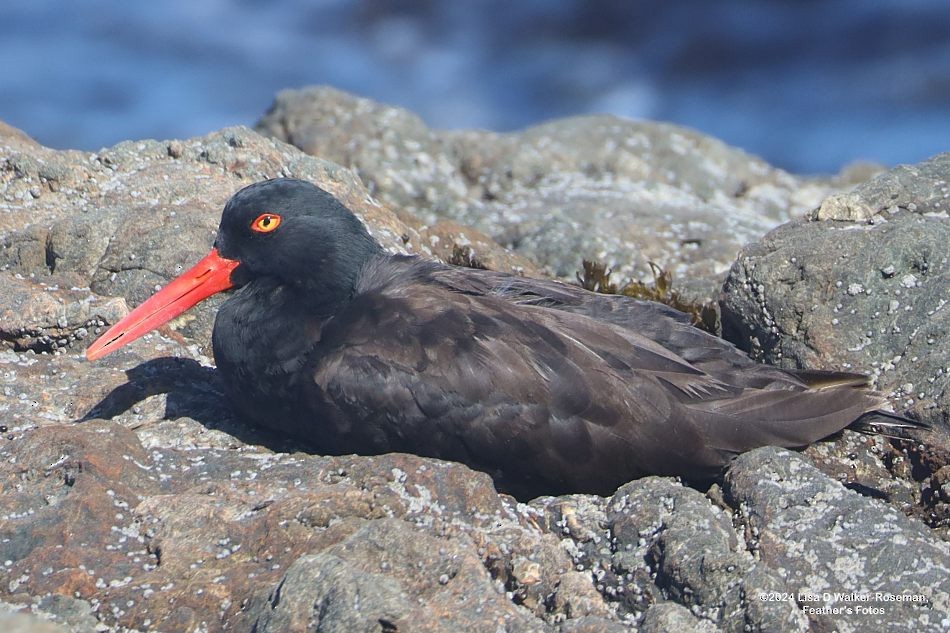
212 274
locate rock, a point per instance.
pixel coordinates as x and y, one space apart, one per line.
674 537
577 597
11 136
581 522
131 497
595 187
673 617
389 575
859 296
463 246
921 188
43 316
867 296
823 539
323 593
873 466
175 539
390 149
15 622
592 624
170 402
69 614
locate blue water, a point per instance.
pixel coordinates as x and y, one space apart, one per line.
808 85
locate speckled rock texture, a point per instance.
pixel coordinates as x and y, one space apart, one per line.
595 187
133 498
12 621
865 289
220 539
822 538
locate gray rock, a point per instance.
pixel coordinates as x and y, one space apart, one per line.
597 187
323 593
686 545
669 616
160 510
42 315
822 539
876 467
867 296
390 149
18 622
592 624
72 614
224 539
864 297
576 597
921 188
580 521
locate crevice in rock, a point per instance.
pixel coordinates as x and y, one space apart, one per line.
51 254
275 595
866 491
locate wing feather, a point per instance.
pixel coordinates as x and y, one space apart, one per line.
531 380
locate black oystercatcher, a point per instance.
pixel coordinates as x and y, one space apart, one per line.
544 385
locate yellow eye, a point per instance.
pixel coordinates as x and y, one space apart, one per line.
265 223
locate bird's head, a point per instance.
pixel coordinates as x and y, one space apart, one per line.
285 229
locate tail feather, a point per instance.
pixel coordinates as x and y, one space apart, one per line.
823 379
888 424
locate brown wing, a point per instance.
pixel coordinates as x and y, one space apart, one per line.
655 321
545 398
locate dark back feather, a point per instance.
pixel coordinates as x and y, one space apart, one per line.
548 387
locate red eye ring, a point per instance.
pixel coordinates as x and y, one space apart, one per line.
265 223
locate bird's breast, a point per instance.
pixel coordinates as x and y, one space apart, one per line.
261 340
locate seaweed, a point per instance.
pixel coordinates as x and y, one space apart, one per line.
595 277
465 256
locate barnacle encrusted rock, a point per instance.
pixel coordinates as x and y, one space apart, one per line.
132 497
869 295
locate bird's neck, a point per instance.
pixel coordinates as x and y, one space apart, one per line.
335 276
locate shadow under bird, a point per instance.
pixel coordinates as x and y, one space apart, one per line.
546 386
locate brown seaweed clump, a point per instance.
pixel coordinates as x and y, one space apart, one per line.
465 256
596 278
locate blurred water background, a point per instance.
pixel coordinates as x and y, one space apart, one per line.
810 85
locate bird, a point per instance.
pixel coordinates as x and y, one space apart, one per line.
328 338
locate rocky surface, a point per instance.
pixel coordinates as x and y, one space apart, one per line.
801 524
13 621
862 284
597 187
214 538
881 294
132 498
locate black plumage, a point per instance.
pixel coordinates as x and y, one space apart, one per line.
546 386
